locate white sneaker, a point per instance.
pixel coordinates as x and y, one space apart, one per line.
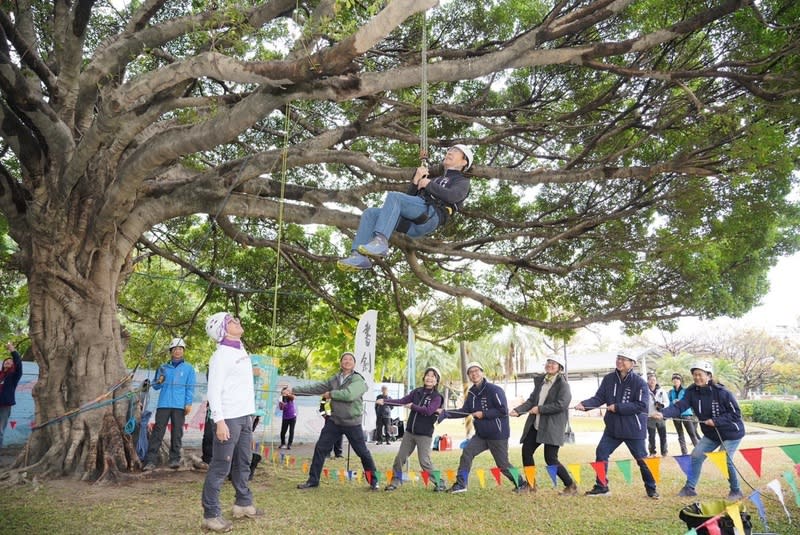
217 524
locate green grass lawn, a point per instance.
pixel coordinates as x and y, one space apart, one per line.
169 502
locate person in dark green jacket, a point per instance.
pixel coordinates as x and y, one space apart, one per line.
345 391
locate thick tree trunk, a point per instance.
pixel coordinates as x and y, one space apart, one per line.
76 341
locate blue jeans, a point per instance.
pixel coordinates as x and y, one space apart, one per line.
707 445
230 457
637 448
384 219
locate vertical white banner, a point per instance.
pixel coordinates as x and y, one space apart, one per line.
412 361
366 334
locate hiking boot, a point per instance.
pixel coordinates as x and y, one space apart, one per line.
652 493
598 491
247 511
218 524
524 488
148 467
306 486
354 262
175 464
686 492
735 496
378 247
571 490
457 488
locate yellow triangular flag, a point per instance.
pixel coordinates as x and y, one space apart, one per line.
575 470
481 477
530 475
305 467
719 459
412 476
341 475
654 464
733 512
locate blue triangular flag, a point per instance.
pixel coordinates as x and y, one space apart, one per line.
553 470
755 497
685 462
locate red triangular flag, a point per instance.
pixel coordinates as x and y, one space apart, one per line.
496 474
425 477
753 456
185 427
600 470
13 424
712 526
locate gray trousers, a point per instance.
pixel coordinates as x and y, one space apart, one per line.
409 442
499 451
232 456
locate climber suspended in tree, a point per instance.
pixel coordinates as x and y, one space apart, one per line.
427 205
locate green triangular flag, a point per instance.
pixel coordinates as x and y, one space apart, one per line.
625 468
793 451
789 476
514 474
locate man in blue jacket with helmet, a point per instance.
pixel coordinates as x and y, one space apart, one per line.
176 380
625 396
486 403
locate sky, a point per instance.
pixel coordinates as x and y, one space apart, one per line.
781 306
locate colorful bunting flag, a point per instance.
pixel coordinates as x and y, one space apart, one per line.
482 478
451 476
755 497
685 462
712 526
426 476
654 464
793 451
305 467
390 475
530 475
341 475
625 467
719 458
496 473
775 486
325 473
515 474
691 532
600 471
13 422
733 512
412 476
575 471
753 457
552 470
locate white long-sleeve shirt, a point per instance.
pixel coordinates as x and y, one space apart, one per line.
230 384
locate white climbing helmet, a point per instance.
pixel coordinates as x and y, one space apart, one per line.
215 326
467 154
702 365
558 359
177 342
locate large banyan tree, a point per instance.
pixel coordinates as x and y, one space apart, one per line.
633 161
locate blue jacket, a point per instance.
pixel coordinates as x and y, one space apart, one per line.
712 402
675 395
8 384
491 400
178 385
630 396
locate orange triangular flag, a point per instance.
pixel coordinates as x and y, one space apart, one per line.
600 470
451 475
530 475
389 474
305 467
753 457
719 459
654 464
